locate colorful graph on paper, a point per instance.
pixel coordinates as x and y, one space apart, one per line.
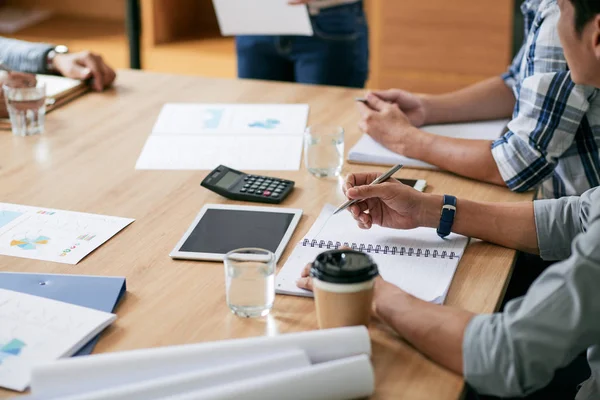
11 349
269 123
30 244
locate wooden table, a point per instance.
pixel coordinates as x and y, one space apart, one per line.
85 162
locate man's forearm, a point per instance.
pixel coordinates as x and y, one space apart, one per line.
486 100
437 331
465 157
510 225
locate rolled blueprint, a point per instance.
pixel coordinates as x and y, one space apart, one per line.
90 373
204 379
345 379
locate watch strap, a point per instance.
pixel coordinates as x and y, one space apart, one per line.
447 216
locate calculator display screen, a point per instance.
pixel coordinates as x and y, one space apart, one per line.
227 180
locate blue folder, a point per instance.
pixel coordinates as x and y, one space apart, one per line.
101 293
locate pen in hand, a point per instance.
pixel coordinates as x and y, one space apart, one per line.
380 179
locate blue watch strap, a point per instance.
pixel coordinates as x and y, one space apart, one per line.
447 216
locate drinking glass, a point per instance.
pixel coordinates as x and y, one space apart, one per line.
250 281
324 150
26 108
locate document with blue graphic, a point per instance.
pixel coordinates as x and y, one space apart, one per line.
54 235
242 136
36 330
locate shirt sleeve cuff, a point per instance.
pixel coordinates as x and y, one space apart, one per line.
484 361
509 79
556 224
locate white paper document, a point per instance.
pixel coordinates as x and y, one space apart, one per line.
368 151
96 372
35 330
262 17
54 235
417 260
189 136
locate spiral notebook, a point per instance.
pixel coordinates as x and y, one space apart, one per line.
417 260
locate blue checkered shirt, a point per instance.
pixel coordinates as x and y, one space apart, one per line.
553 139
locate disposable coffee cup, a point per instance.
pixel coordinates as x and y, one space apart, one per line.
343 282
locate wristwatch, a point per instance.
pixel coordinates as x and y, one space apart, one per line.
60 49
447 216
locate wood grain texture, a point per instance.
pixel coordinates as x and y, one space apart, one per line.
104 9
85 162
437 45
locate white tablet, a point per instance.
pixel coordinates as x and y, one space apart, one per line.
219 228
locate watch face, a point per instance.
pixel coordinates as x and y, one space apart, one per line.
61 49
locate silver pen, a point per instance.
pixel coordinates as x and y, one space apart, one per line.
380 179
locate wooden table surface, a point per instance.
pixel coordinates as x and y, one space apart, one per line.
85 162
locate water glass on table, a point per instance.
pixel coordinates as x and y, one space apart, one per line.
250 281
324 150
26 108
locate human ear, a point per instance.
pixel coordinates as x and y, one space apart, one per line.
596 37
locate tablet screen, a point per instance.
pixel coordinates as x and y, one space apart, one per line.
220 231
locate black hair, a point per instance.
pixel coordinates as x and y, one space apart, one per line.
585 11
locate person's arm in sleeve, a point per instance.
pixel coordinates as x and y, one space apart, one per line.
518 351
24 56
559 221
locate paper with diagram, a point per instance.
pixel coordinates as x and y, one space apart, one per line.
35 330
191 136
54 235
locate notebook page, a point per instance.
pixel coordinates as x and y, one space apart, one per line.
368 151
425 277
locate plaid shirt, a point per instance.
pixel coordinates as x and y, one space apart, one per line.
554 136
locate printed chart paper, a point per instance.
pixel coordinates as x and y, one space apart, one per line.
54 235
262 17
189 136
35 330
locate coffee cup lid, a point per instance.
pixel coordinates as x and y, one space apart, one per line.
344 266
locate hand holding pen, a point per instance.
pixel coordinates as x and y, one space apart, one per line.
390 203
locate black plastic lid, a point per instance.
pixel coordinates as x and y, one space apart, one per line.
344 266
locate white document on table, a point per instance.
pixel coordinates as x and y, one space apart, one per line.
54 235
190 136
35 330
262 17
368 151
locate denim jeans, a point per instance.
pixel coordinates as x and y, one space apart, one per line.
337 54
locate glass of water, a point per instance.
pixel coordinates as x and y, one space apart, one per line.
26 108
250 281
324 150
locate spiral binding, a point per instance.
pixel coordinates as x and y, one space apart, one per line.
369 248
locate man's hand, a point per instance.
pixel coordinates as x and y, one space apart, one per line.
390 204
85 65
388 125
14 79
413 106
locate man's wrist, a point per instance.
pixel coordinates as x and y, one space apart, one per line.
431 206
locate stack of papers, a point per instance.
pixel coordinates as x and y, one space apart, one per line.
279 367
191 136
35 330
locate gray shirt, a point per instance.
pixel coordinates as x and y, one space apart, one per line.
24 56
516 352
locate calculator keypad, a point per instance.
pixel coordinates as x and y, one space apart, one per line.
263 186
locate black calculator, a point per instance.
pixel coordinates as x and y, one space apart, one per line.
236 185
